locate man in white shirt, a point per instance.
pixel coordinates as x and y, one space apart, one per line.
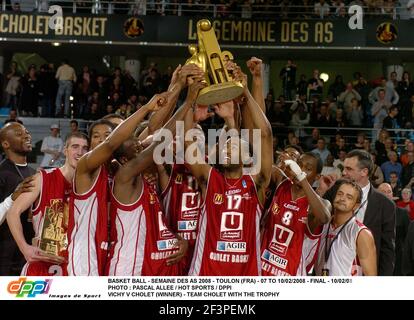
377 212
66 76
52 147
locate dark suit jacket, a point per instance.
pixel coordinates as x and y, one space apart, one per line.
380 219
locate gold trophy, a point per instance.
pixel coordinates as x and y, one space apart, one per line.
208 56
53 238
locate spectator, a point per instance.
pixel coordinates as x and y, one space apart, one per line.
376 177
339 121
380 111
278 116
391 166
401 225
337 87
390 94
123 110
47 89
388 8
66 76
355 115
321 150
30 93
315 84
288 77
93 113
404 158
405 90
339 163
52 147
322 9
152 84
367 145
338 7
408 169
312 141
330 169
346 97
360 141
300 118
410 7
380 146
302 86
13 86
407 202
395 185
13 117
74 126
390 121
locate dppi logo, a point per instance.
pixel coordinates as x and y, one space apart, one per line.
24 287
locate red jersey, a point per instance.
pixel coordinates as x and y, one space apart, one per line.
140 239
181 200
88 228
407 205
288 246
52 209
228 243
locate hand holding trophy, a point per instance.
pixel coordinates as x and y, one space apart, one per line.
208 56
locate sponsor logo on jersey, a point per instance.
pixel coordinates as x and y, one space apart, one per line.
244 184
274 259
303 220
218 198
275 208
190 201
282 237
225 246
230 192
26 288
231 227
152 198
164 232
163 245
187 225
179 179
291 207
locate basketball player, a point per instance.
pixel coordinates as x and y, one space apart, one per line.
347 247
288 244
88 219
143 244
228 242
50 197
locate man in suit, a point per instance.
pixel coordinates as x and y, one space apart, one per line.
377 212
402 221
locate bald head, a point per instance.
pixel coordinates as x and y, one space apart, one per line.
14 137
386 190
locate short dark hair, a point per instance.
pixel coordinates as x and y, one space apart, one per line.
364 159
354 185
394 172
319 164
75 122
99 122
393 107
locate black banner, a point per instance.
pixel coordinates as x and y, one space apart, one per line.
182 30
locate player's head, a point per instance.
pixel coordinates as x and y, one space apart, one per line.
234 153
347 198
293 151
311 164
128 150
99 131
76 146
114 118
15 138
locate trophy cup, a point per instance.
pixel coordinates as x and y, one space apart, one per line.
53 237
208 56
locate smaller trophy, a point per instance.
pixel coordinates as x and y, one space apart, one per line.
208 56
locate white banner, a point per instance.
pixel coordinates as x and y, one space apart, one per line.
206 288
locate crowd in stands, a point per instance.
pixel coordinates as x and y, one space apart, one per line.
307 9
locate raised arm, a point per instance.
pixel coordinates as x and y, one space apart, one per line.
129 171
179 80
259 121
103 152
255 67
